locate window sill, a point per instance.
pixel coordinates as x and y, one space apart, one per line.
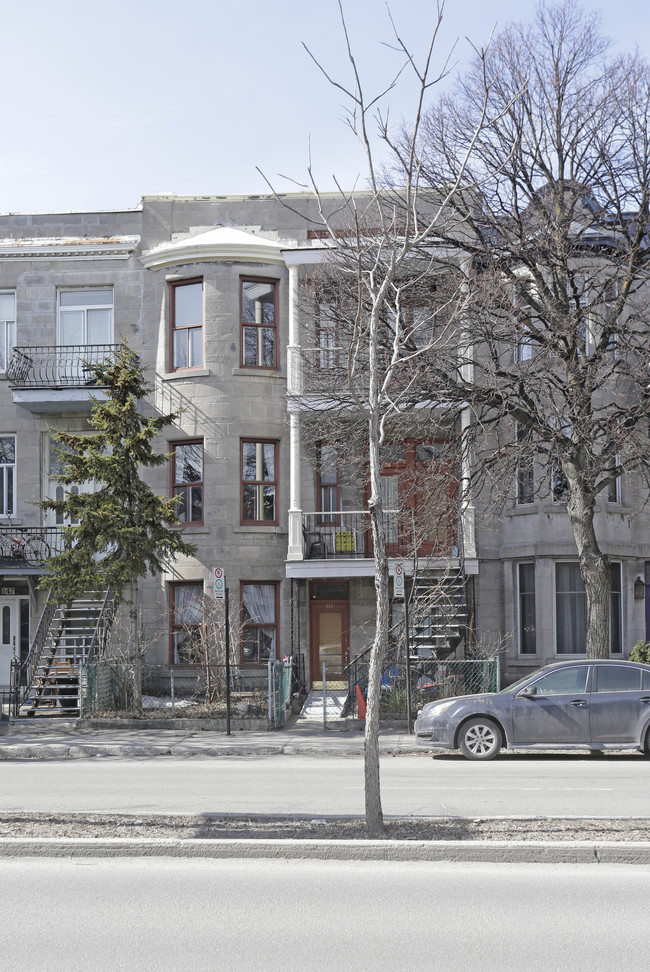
186 373
260 528
258 373
199 528
522 510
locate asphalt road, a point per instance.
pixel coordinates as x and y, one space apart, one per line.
71 916
530 785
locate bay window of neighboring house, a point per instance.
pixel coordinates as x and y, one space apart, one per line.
259 316
259 484
526 603
186 324
187 481
7 475
259 621
7 327
571 609
186 622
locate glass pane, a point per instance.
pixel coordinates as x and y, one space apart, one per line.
328 474
10 489
248 461
268 474
7 307
7 449
618 678
6 625
268 347
250 503
181 503
188 464
187 604
196 503
258 302
527 620
100 327
72 327
250 346
180 349
563 681
86 298
258 603
195 338
188 304
269 502
267 643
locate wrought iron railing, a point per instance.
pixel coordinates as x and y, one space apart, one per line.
22 674
32 546
61 366
343 534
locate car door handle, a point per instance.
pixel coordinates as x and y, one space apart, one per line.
578 702
645 699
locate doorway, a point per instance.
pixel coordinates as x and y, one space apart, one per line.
9 637
329 631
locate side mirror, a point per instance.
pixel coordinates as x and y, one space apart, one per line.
527 693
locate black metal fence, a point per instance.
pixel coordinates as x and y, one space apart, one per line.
64 366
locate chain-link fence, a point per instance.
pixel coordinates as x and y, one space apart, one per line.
430 680
108 690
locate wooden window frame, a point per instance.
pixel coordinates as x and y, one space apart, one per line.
174 627
257 625
187 486
275 482
274 327
173 286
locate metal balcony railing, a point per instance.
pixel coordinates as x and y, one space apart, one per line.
61 366
348 534
31 546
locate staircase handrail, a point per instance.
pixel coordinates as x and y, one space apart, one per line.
25 673
103 626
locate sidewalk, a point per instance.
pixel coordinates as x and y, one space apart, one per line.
50 739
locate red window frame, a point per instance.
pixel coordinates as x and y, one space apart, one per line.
257 626
260 326
181 487
173 330
259 484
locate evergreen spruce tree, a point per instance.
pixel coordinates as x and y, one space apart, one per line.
121 530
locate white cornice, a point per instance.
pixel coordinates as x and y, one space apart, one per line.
69 248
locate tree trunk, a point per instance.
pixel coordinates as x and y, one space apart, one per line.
135 649
594 566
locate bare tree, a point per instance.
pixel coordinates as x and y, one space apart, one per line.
552 215
390 315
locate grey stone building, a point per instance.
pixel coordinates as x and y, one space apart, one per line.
205 289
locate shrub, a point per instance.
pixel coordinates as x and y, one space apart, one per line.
641 652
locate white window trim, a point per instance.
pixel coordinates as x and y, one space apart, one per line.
3 467
7 333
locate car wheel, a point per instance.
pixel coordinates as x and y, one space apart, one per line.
646 744
480 738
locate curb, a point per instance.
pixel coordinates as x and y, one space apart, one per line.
496 852
124 751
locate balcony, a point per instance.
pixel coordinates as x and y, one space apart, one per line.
339 544
51 379
25 550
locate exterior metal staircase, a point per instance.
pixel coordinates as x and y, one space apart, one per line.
438 614
48 683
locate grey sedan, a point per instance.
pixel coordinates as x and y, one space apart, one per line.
578 704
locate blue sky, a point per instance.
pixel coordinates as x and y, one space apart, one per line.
106 102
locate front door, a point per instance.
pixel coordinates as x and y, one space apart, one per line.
329 628
9 637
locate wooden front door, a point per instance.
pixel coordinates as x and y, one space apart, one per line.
329 627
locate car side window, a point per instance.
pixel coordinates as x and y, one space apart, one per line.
563 681
618 678
645 680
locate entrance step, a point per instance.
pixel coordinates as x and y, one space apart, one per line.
312 710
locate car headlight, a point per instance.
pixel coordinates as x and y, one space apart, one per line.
438 709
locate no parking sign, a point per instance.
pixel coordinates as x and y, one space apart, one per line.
398 581
219 583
